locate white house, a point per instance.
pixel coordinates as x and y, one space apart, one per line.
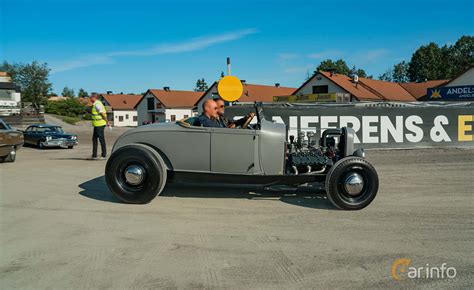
166 105
251 93
121 109
10 96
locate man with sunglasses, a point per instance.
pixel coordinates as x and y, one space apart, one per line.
226 123
209 116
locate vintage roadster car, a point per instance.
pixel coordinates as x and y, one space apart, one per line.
144 159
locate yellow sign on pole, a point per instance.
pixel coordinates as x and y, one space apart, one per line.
230 88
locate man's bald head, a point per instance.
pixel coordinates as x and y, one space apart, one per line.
209 108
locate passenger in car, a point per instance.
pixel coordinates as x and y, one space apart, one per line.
226 123
209 116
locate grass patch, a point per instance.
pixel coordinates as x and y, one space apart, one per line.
67 119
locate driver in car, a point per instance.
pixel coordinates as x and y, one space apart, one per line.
209 116
226 123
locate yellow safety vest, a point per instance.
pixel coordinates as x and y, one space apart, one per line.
97 119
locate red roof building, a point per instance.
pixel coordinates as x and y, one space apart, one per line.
121 108
166 105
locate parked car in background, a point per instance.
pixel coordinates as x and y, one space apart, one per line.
47 135
10 141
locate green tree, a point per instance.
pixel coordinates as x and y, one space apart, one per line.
201 85
33 79
71 107
400 72
67 92
82 93
357 71
461 55
339 66
427 63
387 76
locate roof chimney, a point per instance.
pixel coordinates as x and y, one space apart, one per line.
109 92
277 85
167 89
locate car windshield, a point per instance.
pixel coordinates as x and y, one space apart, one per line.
49 130
4 126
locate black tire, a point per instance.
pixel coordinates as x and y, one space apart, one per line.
151 163
70 147
340 172
40 145
11 157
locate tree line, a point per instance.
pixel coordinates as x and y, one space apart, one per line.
428 62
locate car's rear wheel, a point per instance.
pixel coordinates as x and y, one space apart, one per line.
352 183
135 173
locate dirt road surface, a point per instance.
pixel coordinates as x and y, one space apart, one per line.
62 228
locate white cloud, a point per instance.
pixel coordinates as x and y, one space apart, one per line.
370 56
288 56
192 44
84 61
326 54
299 69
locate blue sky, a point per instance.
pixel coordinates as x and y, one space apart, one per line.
130 46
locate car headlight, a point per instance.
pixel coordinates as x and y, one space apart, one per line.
48 138
73 137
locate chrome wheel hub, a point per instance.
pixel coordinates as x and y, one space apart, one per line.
134 174
354 183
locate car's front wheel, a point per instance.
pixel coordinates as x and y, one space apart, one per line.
135 173
352 183
11 157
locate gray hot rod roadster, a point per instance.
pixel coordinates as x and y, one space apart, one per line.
144 159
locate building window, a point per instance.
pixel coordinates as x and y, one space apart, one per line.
126 116
320 89
134 118
186 116
158 105
173 118
120 118
150 103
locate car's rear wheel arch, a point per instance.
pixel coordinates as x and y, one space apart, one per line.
167 162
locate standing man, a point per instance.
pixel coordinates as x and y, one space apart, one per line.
99 121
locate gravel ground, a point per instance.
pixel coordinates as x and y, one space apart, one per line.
62 228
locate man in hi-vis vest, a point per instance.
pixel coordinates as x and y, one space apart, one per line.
99 121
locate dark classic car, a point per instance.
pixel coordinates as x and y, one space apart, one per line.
144 159
46 135
10 141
